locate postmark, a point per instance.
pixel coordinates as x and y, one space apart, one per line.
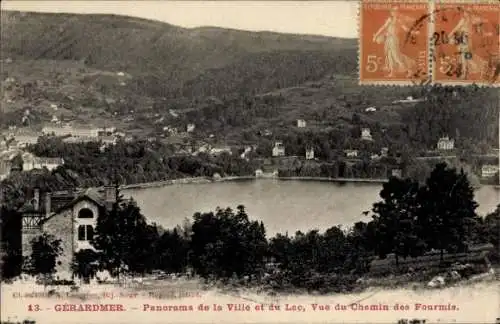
465 43
393 42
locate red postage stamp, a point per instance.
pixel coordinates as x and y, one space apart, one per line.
465 42
394 42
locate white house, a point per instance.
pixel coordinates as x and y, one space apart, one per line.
309 153
259 173
31 162
301 123
489 170
384 151
396 173
370 109
446 143
279 149
351 153
366 134
190 128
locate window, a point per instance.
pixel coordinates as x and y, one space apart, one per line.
85 232
85 213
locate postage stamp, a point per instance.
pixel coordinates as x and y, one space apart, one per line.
393 42
465 43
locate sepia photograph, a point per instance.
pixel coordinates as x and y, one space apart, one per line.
247 162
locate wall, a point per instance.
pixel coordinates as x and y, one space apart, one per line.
61 226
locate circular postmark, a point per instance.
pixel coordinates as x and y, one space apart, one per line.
463 42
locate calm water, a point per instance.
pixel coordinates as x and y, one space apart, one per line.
281 205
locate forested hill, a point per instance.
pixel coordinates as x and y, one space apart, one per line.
173 56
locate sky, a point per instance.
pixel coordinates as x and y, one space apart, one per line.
329 18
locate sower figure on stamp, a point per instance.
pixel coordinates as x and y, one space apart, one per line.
461 36
395 60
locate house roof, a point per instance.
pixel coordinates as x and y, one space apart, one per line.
62 201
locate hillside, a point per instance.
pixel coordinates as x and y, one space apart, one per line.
149 49
131 72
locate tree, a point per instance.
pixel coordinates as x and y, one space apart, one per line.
85 264
227 243
124 239
10 244
396 219
447 209
45 250
172 250
492 227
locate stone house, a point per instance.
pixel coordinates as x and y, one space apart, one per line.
445 143
68 216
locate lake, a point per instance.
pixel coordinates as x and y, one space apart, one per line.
283 205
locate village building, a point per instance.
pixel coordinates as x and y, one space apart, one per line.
370 109
489 170
384 152
218 150
446 144
279 149
351 153
32 162
7 162
301 123
24 140
366 134
68 130
68 216
309 153
259 173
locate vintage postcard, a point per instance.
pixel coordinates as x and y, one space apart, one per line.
249 162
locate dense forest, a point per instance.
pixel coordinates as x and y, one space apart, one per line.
409 220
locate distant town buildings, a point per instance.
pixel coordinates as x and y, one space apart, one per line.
31 162
309 153
301 123
279 149
366 134
7 162
446 144
489 170
68 130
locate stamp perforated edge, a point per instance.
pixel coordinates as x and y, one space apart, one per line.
395 83
461 83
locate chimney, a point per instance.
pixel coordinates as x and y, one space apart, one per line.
36 199
48 203
110 194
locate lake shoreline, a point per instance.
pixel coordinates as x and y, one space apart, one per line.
203 180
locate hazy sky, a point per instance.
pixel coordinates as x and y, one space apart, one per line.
331 18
